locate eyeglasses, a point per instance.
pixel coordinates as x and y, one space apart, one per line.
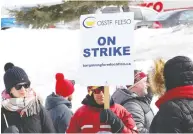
98 90
19 86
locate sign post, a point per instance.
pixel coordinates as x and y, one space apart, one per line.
106 99
106 50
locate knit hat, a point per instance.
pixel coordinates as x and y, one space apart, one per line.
178 71
139 75
14 75
64 87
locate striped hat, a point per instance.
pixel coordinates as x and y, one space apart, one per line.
138 77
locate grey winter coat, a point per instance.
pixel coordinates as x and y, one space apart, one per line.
59 109
139 107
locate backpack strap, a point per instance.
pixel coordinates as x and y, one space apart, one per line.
5 120
41 115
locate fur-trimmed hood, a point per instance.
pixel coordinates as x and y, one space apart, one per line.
156 78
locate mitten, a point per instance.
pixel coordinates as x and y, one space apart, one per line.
107 116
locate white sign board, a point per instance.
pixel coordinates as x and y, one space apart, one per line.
106 49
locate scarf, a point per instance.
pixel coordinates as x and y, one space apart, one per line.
176 93
28 106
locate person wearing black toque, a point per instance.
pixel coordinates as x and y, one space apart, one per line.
175 113
21 110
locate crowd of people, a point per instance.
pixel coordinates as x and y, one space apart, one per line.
22 109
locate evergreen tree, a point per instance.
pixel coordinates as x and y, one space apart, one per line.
44 16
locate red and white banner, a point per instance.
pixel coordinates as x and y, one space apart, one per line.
166 5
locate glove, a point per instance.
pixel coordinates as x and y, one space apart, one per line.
107 116
11 129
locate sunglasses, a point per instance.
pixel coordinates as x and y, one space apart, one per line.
19 86
98 90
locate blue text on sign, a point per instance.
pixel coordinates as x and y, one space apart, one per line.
107 51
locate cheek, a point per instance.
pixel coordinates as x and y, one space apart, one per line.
13 91
95 97
98 96
21 92
141 85
138 86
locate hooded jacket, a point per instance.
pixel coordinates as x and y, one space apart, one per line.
176 103
87 118
60 111
175 112
139 107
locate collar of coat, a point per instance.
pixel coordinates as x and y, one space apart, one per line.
89 101
184 92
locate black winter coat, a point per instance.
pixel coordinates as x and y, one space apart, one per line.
175 115
40 123
60 111
139 107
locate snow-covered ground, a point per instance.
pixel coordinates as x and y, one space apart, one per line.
43 53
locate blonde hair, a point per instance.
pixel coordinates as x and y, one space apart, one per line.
156 78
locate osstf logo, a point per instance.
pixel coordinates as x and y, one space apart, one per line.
89 22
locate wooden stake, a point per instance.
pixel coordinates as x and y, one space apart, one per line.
106 99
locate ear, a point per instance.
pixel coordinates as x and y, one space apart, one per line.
73 82
11 93
12 96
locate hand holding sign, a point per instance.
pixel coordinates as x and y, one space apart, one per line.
108 117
